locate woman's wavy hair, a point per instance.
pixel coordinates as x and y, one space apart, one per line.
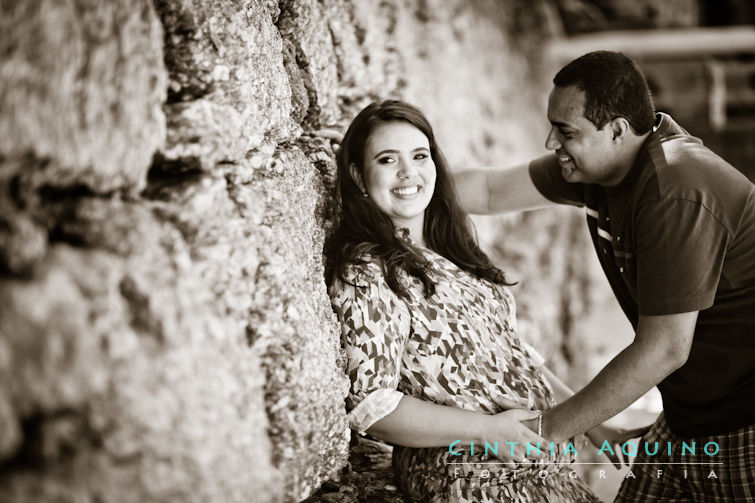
363 230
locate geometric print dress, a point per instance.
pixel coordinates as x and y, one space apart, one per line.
458 348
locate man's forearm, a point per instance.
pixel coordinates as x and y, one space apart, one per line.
661 345
616 387
631 374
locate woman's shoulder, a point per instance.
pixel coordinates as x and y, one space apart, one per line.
360 273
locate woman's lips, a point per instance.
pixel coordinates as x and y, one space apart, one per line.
406 191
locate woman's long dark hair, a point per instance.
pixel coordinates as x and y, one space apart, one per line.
363 230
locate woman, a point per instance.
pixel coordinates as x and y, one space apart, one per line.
435 364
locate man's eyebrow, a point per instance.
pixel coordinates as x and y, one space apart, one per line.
560 124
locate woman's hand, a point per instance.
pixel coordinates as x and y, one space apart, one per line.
616 438
513 437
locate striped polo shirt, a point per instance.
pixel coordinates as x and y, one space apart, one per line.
678 235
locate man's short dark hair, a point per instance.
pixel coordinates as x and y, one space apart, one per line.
614 87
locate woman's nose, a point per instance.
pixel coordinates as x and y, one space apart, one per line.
552 142
407 169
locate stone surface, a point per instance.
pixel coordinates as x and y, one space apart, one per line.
368 478
82 86
228 89
81 89
165 330
294 330
128 381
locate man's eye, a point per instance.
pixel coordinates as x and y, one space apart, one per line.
567 134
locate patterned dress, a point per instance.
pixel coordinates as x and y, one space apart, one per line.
458 348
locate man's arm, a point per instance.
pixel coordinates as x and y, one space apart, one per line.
661 345
484 191
602 432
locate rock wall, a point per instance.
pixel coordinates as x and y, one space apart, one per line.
165 179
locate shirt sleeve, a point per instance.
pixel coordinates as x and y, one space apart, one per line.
545 174
375 326
680 250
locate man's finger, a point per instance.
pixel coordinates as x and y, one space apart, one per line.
614 459
637 432
620 456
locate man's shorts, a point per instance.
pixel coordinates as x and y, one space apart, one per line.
692 474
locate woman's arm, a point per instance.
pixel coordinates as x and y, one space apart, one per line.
417 423
560 389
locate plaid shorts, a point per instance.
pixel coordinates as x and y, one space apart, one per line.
728 475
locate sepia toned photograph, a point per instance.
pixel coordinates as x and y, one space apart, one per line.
366 251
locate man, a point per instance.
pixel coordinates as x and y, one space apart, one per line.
674 227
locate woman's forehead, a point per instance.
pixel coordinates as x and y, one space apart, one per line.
399 135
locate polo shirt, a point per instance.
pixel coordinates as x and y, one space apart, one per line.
678 235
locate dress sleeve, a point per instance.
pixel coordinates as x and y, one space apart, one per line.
375 325
545 174
680 253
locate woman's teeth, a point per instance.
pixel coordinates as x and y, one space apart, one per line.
406 191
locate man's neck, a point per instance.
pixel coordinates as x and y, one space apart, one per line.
627 158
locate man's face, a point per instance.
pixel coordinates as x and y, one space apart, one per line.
585 153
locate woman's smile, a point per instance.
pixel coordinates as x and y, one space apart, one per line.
399 174
406 192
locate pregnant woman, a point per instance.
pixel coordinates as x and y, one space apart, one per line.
428 324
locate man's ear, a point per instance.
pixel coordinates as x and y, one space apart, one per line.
619 128
357 177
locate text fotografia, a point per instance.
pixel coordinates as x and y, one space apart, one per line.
486 476
631 449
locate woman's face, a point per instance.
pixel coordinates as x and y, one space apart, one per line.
399 174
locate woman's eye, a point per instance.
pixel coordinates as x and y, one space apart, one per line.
420 156
386 160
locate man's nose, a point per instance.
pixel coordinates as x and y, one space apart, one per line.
553 142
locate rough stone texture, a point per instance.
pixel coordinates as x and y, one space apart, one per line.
228 89
165 332
82 85
367 478
127 379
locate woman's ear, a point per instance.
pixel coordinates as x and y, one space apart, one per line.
357 177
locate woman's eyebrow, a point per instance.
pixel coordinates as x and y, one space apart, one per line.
392 151
388 151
